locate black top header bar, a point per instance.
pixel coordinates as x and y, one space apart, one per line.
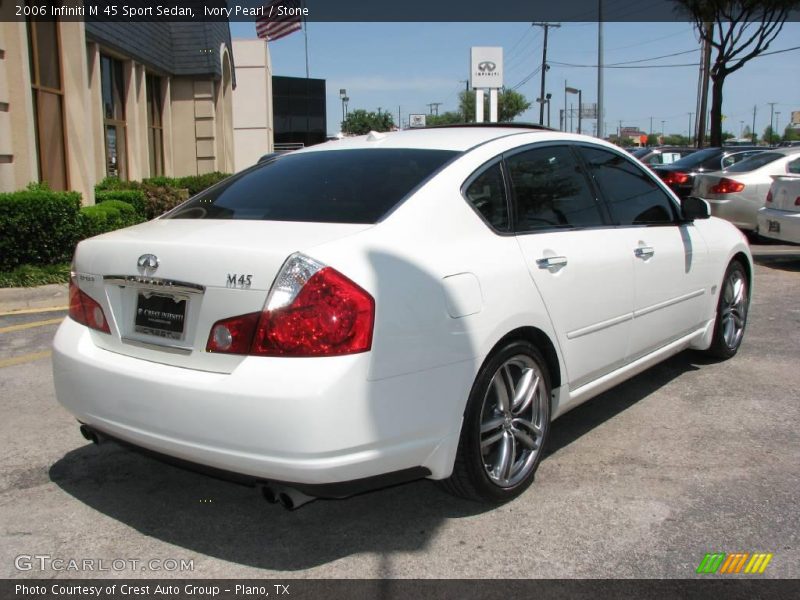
352 10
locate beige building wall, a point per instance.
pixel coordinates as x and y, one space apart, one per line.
253 130
18 163
197 114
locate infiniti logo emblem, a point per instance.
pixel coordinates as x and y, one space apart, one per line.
487 65
148 262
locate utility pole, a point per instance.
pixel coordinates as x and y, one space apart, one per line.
434 106
546 27
753 131
690 128
662 128
600 129
399 117
619 131
777 126
705 72
651 125
771 115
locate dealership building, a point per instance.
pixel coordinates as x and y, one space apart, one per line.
82 101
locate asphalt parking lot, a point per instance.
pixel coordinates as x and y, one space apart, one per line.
689 457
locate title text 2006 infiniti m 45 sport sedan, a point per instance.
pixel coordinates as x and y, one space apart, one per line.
395 306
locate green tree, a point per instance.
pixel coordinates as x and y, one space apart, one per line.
652 139
676 139
791 134
727 135
739 30
747 133
360 122
771 137
510 104
446 118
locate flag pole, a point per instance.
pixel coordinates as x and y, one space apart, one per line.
305 35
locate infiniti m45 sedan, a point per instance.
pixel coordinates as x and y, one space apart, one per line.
378 309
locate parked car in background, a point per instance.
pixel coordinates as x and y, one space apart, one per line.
662 155
393 306
779 219
736 193
679 176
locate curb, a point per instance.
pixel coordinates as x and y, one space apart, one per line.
44 296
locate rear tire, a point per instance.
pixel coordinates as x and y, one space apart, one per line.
732 307
506 426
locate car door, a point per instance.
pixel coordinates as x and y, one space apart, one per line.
670 257
582 270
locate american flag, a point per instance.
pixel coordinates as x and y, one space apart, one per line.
276 27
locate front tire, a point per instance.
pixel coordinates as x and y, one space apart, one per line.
732 307
506 425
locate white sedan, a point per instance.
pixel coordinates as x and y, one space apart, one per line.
394 306
738 192
780 218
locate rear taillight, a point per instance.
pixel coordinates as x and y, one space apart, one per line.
675 177
86 310
726 186
312 310
797 201
769 197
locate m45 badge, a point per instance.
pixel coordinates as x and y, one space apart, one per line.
239 281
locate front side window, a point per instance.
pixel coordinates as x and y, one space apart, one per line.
551 191
632 195
113 92
327 186
487 195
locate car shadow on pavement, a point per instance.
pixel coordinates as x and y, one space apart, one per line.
233 523
586 417
783 262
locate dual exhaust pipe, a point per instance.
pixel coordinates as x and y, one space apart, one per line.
289 498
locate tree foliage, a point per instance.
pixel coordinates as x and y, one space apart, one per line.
446 118
791 134
510 104
361 122
738 31
770 136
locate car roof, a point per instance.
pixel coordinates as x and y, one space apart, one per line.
458 139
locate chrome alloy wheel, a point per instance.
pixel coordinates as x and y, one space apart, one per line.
513 420
734 308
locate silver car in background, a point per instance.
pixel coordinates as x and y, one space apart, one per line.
737 193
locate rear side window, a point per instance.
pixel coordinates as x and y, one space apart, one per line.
332 186
487 195
550 190
634 198
794 167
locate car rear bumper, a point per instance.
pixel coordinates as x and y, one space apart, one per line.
788 223
306 421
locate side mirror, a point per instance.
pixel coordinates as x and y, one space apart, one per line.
695 208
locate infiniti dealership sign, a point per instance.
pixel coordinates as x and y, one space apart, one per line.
486 67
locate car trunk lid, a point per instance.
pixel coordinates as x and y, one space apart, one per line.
165 283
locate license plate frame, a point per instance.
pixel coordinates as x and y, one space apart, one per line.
161 315
773 226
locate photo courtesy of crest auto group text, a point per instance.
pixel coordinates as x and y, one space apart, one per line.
302 298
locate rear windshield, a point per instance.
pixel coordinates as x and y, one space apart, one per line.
697 158
332 186
754 162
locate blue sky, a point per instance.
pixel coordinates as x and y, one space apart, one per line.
409 65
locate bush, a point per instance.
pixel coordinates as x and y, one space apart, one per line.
32 275
108 216
197 183
136 198
116 184
38 226
160 199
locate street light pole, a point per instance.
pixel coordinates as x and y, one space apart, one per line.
546 27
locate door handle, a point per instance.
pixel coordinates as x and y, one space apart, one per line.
552 261
644 252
